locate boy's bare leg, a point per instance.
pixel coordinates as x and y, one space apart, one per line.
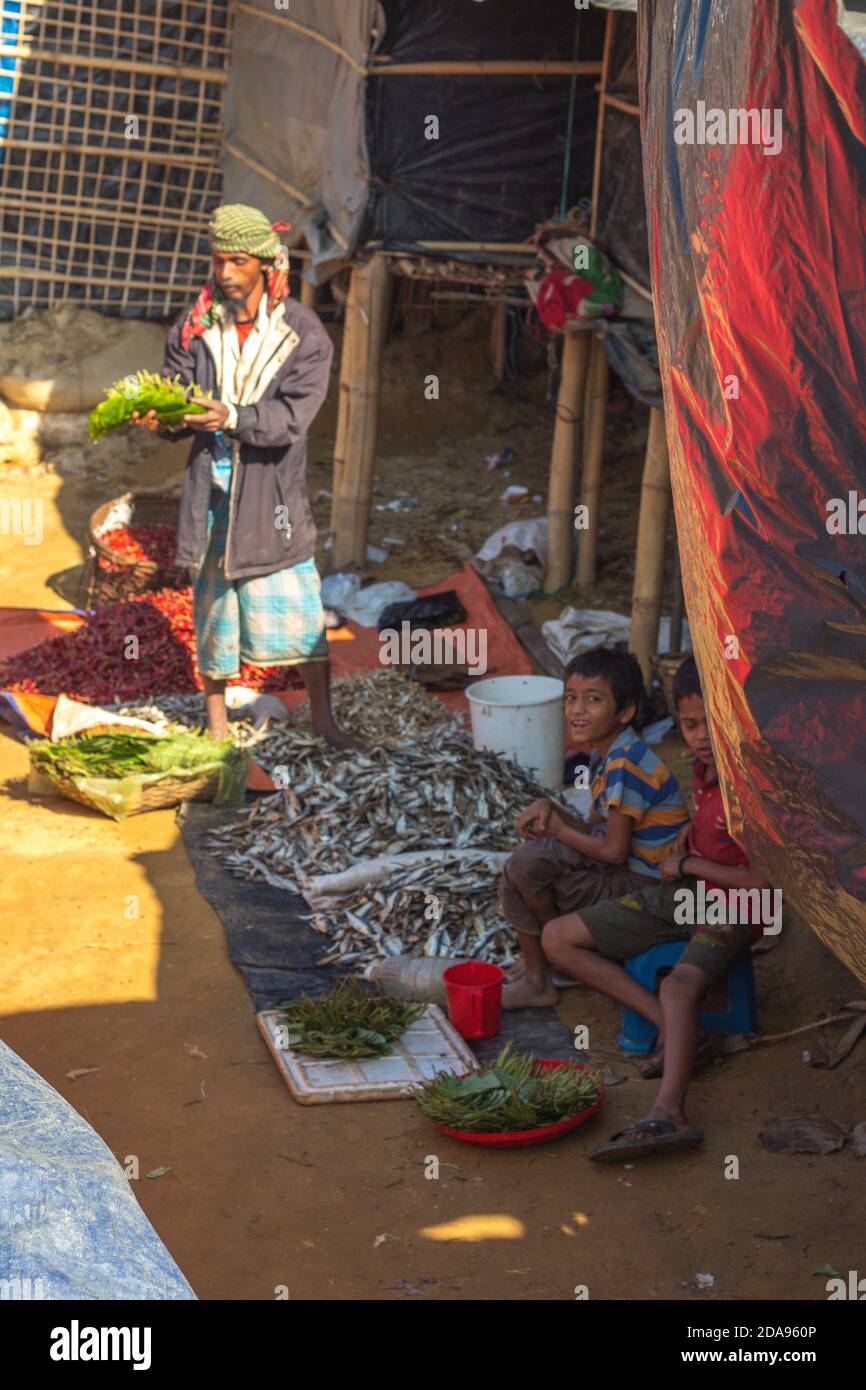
532 987
681 995
316 676
215 707
568 944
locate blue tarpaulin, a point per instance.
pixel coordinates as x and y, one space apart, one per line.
70 1227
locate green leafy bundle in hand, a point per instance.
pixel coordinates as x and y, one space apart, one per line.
348 1021
144 391
514 1093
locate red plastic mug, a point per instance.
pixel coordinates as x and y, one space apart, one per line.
475 998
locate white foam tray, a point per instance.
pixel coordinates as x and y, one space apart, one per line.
430 1045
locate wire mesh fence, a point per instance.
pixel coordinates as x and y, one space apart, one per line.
110 130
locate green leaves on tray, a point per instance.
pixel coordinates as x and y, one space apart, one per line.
126 754
513 1093
144 391
348 1021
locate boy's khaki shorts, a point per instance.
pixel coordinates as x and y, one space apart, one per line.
547 865
645 918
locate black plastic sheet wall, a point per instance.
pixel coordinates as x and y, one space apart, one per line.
759 264
497 167
621 228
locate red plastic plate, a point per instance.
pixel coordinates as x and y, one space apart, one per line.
525 1138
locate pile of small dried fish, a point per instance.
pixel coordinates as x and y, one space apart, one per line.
423 909
339 809
421 785
381 708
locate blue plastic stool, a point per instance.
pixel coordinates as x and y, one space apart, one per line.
741 1015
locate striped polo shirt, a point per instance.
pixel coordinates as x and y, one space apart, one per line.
630 778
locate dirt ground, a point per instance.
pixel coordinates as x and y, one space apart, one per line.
333 1202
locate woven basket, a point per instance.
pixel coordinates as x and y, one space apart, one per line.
112 576
170 791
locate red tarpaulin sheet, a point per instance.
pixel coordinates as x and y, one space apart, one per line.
759 270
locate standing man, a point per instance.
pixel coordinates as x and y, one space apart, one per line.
246 528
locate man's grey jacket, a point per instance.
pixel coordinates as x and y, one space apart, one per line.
271 524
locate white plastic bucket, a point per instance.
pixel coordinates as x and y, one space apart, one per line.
522 717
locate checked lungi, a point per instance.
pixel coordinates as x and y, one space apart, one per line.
273 620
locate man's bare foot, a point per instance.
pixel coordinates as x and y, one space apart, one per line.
528 994
338 738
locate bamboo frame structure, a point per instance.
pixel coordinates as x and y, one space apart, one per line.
595 419
566 440
649 567
530 67
366 329
499 319
110 159
344 402
305 31
591 415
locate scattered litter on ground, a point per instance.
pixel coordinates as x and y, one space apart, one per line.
159 1172
494 461
81 1071
802 1134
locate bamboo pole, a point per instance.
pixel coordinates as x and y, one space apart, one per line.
510 246
92 60
497 340
595 413
308 289
619 104
649 565
599 128
566 436
268 174
530 67
362 427
351 326
678 606
305 31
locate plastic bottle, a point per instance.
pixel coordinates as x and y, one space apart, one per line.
414 977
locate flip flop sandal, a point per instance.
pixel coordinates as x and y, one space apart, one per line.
708 1048
657 1135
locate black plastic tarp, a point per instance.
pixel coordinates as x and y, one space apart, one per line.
496 168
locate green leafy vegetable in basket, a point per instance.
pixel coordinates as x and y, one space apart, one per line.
127 754
513 1093
348 1021
141 392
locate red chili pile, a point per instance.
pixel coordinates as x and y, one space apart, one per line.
142 544
96 663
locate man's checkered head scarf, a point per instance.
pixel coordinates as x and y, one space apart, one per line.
235 229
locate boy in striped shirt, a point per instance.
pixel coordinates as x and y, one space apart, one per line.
637 813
